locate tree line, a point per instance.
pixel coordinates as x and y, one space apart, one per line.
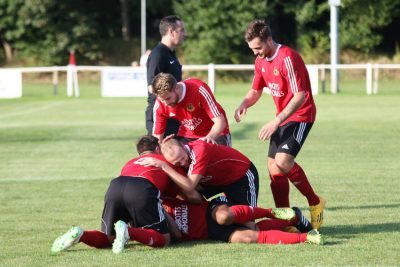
104 32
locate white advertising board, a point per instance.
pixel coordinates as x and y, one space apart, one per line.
123 82
314 80
10 83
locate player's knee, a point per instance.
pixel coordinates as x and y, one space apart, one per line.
224 217
283 164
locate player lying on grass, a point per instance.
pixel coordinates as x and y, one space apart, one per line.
218 220
132 197
214 220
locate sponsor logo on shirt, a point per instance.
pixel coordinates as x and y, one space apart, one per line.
276 71
190 107
262 69
275 90
171 114
182 218
172 62
191 124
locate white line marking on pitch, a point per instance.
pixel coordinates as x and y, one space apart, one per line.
29 111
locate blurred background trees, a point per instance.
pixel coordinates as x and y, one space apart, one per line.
103 32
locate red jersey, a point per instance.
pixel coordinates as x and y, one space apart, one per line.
190 218
155 175
218 164
195 111
285 74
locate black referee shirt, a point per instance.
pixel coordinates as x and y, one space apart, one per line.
162 59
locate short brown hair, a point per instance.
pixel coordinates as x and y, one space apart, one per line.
257 28
162 83
147 143
168 22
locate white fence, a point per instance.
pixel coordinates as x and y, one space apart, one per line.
371 73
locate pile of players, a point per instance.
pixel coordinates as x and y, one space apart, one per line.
193 185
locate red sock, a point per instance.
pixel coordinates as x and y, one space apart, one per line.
244 213
299 179
273 224
147 237
279 237
280 190
95 239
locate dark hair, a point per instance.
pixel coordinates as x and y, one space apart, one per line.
163 83
146 143
168 22
257 28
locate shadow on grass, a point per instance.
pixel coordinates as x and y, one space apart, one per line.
243 131
395 205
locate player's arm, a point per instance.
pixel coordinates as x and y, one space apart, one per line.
160 121
216 130
192 196
186 183
292 106
173 228
249 100
268 129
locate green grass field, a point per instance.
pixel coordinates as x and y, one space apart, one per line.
58 154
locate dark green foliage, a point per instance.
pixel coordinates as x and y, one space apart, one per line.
216 29
41 32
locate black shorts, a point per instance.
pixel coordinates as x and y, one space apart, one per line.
242 192
224 140
220 232
133 200
289 138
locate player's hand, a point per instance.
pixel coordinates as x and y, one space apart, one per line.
240 112
267 130
208 140
150 162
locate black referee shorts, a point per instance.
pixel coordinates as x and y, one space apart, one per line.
133 200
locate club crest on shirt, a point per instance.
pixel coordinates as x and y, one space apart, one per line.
190 107
276 71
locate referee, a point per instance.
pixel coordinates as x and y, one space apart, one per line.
163 59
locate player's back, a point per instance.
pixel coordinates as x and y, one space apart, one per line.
154 174
218 164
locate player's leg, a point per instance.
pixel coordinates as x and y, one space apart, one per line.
274 237
294 136
224 140
279 181
280 237
150 227
298 223
225 215
76 234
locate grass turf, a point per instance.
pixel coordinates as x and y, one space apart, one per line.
57 156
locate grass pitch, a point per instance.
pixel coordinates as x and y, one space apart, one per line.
57 156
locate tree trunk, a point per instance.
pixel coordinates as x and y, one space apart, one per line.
126 29
8 51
